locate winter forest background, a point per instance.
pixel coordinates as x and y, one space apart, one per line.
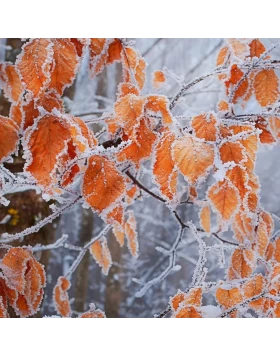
116 294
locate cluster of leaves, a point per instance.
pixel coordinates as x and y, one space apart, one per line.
64 157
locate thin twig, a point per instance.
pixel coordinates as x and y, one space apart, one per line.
12 237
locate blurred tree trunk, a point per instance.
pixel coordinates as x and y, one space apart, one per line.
113 292
83 269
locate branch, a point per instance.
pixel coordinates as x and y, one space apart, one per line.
12 237
185 87
168 269
84 249
145 53
137 183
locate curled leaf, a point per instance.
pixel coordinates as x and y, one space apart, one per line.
60 297
131 234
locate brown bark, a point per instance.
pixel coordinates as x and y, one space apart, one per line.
82 274
113 293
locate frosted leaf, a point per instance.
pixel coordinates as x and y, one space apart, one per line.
103 185
61 298
8 138
164 167
64 66
101 254
193 158
25 280
131 234
34 64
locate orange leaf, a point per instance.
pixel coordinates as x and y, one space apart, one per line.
163 169
205 126
193 158
188 312
243 227
232 152
223 106
49 101
103 185
114 51
160 104
101 254
103 51
65 63
68 173
239 48
47 140
228 297
263 232
177 299
3 309
80 45
116 216
127 88
34 64
271 250
239 178
25 279
224 197
92 313
266 136
131 194
235 79
274 123
98 54
262 238
266 217
119 234
242 265
13 88
135 67
276 252
205 218
16 114
192 297
83 138
14 265
192 193
222 56
266 87
256 48
158 79
61 298
250 142
141 148
8 138
254 287
131 234
129 110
